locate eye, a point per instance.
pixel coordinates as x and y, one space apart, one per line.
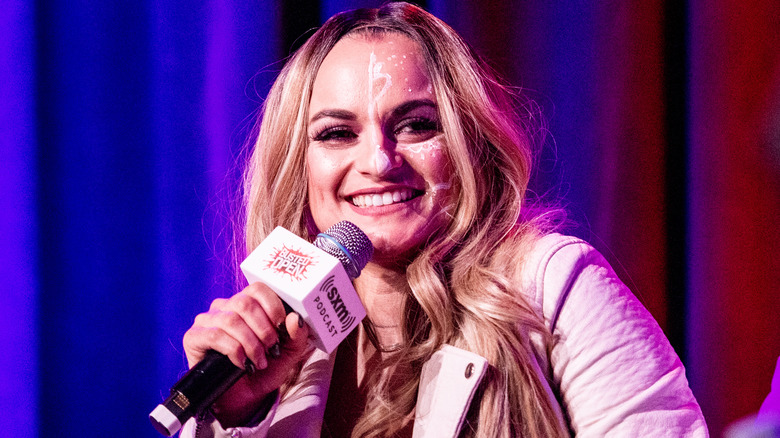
335 135
417 127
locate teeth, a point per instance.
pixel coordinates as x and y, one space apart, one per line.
378 200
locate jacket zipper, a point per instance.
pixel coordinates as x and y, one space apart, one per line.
200 421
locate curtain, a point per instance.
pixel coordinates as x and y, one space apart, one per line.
123 129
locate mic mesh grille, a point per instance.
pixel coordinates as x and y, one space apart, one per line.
352 247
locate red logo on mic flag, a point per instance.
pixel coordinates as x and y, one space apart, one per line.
291 262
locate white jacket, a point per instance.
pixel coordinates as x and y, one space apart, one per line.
611 364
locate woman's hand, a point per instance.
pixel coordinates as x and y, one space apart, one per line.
244 327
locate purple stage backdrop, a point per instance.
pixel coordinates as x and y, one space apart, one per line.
122 126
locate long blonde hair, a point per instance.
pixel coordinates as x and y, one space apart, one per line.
463 284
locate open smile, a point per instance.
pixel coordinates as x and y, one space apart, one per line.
386 198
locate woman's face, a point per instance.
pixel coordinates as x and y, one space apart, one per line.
376 154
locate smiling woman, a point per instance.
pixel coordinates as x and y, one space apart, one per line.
364 132
480 320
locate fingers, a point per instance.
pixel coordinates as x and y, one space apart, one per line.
271 310
230 330
243 326
198 340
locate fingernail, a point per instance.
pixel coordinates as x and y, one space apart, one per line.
275 351
281 331
300 320
249 366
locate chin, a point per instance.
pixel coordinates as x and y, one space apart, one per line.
395 250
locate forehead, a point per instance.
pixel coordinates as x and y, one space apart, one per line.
355 58
355 46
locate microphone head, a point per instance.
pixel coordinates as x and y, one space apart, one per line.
349 244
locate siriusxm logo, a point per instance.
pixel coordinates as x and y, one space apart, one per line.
342 314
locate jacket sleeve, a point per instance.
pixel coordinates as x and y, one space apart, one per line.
614 369
209 427
298 413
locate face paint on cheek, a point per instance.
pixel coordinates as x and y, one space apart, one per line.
429 148
441 186
440 196
381 160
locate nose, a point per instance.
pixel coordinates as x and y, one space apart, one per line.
378 156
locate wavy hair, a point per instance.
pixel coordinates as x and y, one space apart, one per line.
463 282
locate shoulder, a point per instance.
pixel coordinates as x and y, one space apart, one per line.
553 263
615 370
554 249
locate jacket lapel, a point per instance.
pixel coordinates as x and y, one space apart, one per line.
447 384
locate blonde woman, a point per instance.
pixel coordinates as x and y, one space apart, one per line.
481 321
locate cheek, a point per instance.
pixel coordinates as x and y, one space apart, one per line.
431 161
324 176
321 169
317 180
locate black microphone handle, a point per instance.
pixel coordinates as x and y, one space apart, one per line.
202 384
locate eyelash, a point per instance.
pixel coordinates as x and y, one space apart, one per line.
334 133
418 125
415 126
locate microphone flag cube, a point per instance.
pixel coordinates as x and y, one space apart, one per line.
311 281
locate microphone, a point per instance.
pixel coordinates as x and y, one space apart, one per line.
311 279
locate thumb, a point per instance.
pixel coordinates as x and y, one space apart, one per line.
298 332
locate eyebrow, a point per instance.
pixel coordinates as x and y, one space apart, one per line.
334 113
412 105
397 111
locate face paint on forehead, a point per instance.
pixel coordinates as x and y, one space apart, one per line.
374 75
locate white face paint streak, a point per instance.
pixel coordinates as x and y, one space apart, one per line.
441 186
381 160
430 147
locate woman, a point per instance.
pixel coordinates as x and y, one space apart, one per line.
480 321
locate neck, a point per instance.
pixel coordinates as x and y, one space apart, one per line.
384 292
